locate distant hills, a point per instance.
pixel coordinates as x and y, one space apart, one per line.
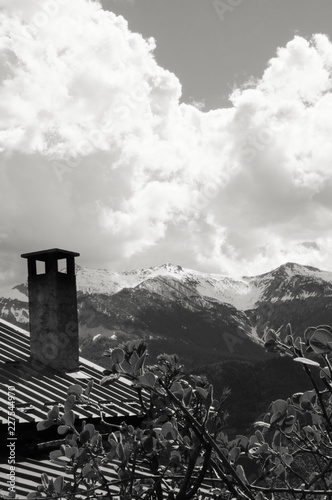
213 322
203 317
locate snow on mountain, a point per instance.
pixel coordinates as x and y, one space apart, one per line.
238 293
287 282
190 312
90 280
293 281
284 283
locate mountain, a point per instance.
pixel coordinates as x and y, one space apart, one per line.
214 323
203 317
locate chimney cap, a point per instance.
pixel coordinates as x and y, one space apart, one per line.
44 255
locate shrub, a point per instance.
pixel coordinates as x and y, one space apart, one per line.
181 450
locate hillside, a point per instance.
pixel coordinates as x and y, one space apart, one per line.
213 322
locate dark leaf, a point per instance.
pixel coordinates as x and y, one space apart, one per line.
279 406
69 417
148 379
44 424
75 389
58 484
320 341
88 388
117 356
70 402
62 429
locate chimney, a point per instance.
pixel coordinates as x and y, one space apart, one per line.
53 310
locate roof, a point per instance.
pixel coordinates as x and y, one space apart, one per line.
36 392
28 476
45 254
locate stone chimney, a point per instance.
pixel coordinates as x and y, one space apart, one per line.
53 310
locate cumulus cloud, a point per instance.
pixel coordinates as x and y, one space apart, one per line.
99 156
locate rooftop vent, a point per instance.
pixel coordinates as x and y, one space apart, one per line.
53 310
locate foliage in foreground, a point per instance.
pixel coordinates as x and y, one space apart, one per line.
181 451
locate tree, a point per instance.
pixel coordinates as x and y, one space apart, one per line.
181 451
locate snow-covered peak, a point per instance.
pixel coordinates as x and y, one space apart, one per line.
287 282
284 283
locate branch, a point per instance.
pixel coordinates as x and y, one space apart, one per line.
243 487
202 473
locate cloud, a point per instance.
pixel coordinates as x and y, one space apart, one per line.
99 156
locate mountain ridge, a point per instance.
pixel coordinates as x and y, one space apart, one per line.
182 310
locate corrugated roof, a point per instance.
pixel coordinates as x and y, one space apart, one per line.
28 476
37 391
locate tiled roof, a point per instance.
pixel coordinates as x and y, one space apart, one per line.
37 391
28 476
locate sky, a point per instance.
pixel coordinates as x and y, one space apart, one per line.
139 132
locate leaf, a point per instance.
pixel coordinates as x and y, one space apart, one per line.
134 359
84 436
117 356
58 484
75 389
187 395
69 417
71 452
148 379
88 388
309 396
242 442
234 455
287 458
271 335
88 471
140 363
308 333
306 361
325 373
96 440
55 454
259 437
260 423
44 479
240 472
168 431
82 456
90 428
320 340
44 424
149 444
70 402
202 393
288 424
278 470
177 390
53 414
289 329
279 406
126 367
175 457
121 453
62 429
